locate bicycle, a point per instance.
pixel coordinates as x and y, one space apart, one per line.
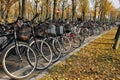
40 46
16 54
52 39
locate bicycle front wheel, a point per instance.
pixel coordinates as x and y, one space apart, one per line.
16 61
56 47
65 43
44 53
76 41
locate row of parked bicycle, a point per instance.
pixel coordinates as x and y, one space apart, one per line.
26 45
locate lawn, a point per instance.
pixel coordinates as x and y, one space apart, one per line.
96 61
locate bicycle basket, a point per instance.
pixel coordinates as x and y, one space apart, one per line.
59 30
40 31
51 30
24 33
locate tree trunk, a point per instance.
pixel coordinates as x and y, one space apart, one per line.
54 10
95 10
7 13
20 8
83 15
63 10
7 9
73 10
23 8
47 14
0 10
41 13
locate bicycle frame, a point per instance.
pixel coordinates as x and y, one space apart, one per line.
9 41
33 37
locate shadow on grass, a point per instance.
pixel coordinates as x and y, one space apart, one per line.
105 43
108 58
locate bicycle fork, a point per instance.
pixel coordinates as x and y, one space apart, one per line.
16 46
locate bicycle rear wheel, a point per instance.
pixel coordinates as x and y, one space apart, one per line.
16 61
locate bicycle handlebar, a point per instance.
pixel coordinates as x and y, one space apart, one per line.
30 22
37 15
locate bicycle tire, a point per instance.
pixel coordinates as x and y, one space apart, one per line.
56 47
65 44
85 32
76 41
43 58
10 55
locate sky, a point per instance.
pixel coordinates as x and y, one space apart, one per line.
116 3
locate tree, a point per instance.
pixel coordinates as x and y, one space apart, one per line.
63 6
84 4
23 8
54 9
6 4
104 9
73 9
0 9
76 8
96 3
47 8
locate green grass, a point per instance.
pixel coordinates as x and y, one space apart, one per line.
96 61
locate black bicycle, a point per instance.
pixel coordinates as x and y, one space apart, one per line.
17 55
40 46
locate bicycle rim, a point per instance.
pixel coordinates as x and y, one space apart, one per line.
42 60
14 66
56 48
